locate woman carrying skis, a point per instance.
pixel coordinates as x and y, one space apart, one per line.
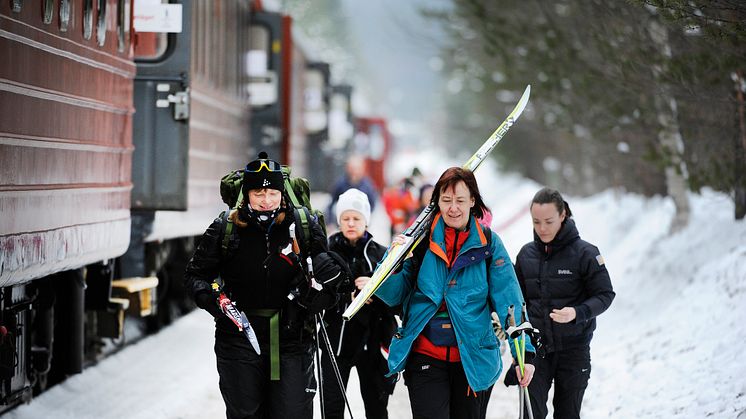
459 274
566 286
259 269
363 341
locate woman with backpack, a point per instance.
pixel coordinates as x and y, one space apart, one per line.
566 285
363 341
249 259
459 274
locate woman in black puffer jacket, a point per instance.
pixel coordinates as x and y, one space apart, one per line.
258 262
363 341
566 285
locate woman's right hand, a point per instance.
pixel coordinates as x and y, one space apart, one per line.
528 374
399 239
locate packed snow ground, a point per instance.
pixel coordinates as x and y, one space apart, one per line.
670 345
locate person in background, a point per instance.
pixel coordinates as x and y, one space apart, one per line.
362 342
566 286
458 275
258 271
400 205
355 177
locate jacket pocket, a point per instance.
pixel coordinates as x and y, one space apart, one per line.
488 341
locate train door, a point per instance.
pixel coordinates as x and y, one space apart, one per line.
161 122
160 161
316 97
270 48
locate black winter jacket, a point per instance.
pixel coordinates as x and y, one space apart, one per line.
568 272
374 324
258 274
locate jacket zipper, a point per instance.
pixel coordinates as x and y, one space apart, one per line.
453 251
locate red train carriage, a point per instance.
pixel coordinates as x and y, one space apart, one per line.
65 155
65 138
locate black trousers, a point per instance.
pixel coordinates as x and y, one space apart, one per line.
373 385
245 381
439 390
570 371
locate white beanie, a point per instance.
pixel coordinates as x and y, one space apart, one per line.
353 199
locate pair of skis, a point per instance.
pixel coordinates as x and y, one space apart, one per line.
418 230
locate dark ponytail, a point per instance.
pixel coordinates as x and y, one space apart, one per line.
552 196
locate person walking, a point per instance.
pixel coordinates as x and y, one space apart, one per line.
362 342
566 286
259 270
355 176
459 274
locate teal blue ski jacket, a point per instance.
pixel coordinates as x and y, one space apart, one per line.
470 293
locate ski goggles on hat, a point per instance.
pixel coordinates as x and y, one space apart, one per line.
257 166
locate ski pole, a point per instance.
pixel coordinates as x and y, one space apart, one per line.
320 373
524 321
514 332
335 367
510 323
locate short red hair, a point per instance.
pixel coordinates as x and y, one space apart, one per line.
450 178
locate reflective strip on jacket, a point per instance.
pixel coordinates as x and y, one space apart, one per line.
467 294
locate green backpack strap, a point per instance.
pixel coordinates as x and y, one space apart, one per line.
228 224
301 213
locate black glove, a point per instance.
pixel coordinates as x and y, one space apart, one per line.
331 270
511 377
207 301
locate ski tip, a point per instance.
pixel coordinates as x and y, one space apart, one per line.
524 97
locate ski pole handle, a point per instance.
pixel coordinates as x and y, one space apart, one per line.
510 319
524 313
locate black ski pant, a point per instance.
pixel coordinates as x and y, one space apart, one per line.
245 381
570 370
372 385
439 390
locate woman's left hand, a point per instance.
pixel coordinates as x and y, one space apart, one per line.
528 374
361 281
563 315
360 284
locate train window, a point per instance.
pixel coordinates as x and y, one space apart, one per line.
150 46
48 11
123 24
64 15
314 114
15 5
101 23
261 83
87 19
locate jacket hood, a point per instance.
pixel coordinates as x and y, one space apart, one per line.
567 234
